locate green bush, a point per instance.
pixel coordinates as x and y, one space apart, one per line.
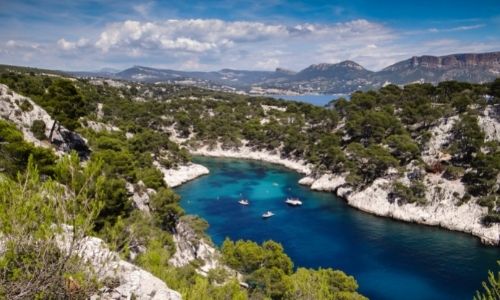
415 193
33 217
165 208
38 129
152 177
453 172
14 152
25 106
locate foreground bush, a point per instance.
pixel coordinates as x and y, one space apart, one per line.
42 226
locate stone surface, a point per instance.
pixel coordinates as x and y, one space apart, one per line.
489 123
177 176
245 152
63 140
140 195
133 282
190 247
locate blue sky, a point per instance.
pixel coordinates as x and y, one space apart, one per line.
210 35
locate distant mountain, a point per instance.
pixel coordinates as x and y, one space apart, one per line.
104 72
229 77
343 77
346 70
463 67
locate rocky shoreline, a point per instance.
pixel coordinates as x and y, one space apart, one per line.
245 152
184 173
441 209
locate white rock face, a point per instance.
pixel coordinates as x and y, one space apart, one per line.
189 247
489 124
10 110
440 136
245 152
140 195
307 180
441 209
133 281
328 183
181 174
99 126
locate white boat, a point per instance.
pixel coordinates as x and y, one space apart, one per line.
293 202
267 214
243 202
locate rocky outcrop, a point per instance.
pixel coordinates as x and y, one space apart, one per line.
22 111
99 126
440 138
442 208
489 123
132 282
491 60
140 195
176 176
189 247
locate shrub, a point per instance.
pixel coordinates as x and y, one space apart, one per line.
38 129
490 201
14 152
25 106
33 217
415 193
453 173
165 208
152 177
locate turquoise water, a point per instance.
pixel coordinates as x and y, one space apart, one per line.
390 259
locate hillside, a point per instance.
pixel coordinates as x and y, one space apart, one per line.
403 144
108 222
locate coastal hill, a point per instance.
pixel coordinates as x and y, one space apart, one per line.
86 172
343 77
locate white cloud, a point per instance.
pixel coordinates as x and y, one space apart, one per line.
67 45
208 44
16 44
458 28
195 35
219 41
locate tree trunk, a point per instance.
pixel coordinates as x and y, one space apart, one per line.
52 130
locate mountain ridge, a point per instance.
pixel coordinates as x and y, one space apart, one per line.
343 77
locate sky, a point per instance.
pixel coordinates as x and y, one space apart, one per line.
240 34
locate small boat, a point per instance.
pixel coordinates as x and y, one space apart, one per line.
293 202
267 214
243 202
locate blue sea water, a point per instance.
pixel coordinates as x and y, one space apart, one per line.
389 259
318 100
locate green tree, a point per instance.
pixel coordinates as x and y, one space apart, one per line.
491 287
64 103
322 284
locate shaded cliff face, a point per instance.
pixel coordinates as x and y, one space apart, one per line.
488 60
463 67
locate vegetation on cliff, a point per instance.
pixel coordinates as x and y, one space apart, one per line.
364 137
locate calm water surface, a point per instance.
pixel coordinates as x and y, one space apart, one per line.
390 259
319 100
